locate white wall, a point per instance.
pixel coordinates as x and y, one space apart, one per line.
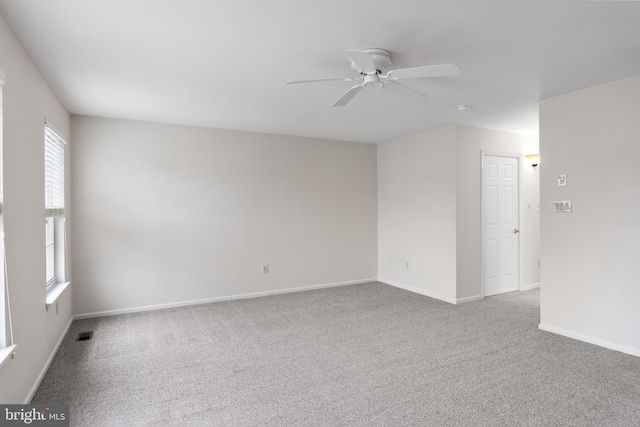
590 274
168 214
27 101
417 213
429 210
470 143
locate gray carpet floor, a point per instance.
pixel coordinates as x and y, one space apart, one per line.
362 355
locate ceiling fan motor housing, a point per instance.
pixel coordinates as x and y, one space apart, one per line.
380 57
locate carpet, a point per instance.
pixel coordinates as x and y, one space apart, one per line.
359 355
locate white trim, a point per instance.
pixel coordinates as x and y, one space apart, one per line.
54 291
521 222
417 291
5 352
3 76
47 364
602 343
217 299
530 286
518 156
469 299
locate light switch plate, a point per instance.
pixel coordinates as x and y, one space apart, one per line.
562 206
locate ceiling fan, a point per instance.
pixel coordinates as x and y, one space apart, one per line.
371 63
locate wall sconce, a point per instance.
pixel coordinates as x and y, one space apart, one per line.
534 159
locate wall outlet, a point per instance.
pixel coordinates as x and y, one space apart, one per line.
265 268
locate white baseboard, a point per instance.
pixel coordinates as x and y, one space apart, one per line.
530 286
216 299
47 364
602 343
417 291
469 299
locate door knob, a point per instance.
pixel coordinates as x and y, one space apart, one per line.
516 231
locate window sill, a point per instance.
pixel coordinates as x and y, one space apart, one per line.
54 292
6 352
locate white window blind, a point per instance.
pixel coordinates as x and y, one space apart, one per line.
53 173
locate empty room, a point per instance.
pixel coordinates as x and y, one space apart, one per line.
319 213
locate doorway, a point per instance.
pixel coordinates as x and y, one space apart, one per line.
501 187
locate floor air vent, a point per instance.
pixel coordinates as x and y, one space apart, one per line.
84 336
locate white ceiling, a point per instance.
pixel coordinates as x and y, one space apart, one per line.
223 64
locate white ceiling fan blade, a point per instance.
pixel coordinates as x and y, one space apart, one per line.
348 96
402 90
425 71
363 61
335 79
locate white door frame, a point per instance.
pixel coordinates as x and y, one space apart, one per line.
484 153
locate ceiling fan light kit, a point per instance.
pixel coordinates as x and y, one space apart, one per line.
371 63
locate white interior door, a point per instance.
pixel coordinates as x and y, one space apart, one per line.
500 217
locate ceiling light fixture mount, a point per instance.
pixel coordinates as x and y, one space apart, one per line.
381 58
463 107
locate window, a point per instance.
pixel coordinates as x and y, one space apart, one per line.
6 331
55 239
49 244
